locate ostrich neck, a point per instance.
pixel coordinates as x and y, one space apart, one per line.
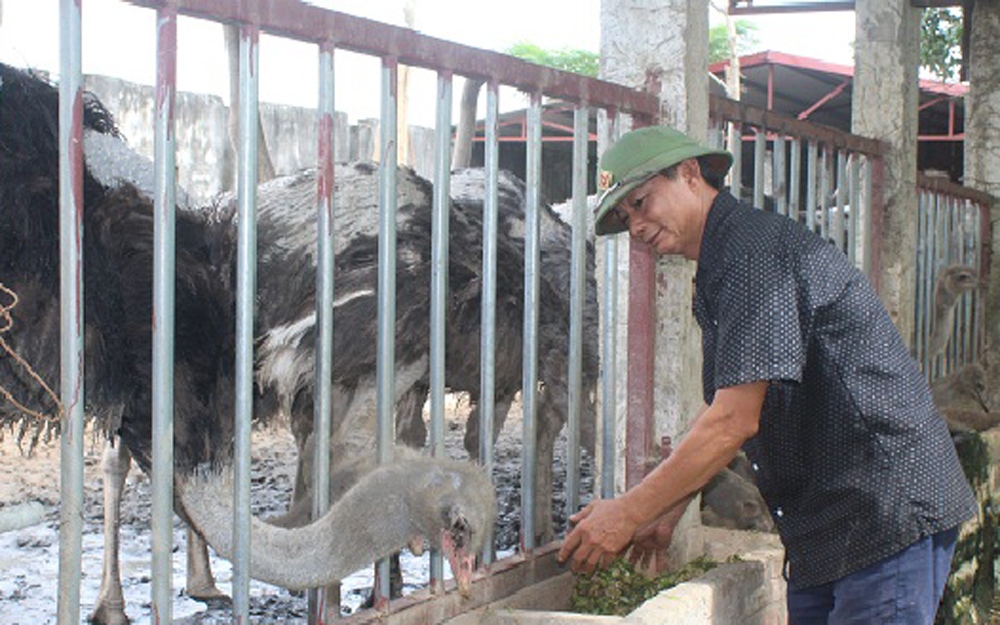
365 525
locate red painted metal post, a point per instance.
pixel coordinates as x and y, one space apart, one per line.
641 365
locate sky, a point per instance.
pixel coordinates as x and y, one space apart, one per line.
119 40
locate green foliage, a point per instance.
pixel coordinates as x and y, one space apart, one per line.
619 589
578 61
941 42
970 595
718 40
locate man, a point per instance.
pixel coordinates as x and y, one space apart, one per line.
804 370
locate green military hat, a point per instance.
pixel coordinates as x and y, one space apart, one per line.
639 155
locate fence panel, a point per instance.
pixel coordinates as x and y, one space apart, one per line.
810 173
838 204
952 231
392 46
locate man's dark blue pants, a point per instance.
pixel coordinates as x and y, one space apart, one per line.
903 589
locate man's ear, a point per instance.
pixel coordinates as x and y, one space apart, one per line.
689 170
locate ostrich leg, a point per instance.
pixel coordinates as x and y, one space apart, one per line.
200 581
109 608
546 436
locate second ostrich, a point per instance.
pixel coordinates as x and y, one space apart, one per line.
951 284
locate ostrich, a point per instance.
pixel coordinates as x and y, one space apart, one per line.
463 327
960 397
452 504
951 284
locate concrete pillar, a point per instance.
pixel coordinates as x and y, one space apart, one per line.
885 107
982 157
662 46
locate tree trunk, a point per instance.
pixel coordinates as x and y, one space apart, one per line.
462 154
733 87
265 169
403 89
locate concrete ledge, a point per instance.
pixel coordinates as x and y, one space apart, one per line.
749 591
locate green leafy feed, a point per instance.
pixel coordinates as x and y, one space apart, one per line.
619 589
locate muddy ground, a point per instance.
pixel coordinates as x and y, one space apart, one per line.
29 556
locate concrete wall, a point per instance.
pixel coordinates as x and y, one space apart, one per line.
205 159
206 163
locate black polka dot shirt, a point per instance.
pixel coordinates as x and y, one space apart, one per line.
851 456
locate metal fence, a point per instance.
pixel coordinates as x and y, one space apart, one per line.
816 175
329 32
953 227
823 178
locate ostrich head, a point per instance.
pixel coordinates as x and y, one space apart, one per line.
953 281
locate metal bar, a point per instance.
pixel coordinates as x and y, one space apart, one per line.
770 86
71 355
841 192
952 255
641 361
867 172
532 254
487 374
932 270
324 603
778 178
306 22
577 294
736 149
439 287
795 179
724 108
791 7
855 248
640 442
946 186
829 96
920 323
385 373
164 211
948 257
609 344
246 278
759 154
968 303
824 191
811 186
974 259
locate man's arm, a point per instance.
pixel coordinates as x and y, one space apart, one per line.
606 527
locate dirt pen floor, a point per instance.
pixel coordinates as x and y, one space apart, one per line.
29 556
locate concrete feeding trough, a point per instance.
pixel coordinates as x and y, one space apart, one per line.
746 587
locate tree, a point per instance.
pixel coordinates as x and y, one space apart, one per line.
718 40
941 42
580 61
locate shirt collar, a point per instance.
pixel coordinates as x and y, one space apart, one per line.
723 207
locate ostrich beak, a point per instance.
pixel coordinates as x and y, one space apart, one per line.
462 563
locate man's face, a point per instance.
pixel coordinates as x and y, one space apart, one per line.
664 213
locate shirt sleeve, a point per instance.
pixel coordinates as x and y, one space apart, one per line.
760 333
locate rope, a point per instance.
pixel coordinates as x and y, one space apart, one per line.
6 323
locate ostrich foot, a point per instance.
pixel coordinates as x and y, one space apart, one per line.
209 595
109 613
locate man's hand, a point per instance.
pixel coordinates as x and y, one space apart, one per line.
650 544
603 530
